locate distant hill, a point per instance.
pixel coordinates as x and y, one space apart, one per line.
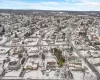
91 13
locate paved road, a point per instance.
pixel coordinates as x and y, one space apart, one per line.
38 45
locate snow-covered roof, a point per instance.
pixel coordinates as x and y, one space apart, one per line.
13 59
13 73
32 50
50 59
31 63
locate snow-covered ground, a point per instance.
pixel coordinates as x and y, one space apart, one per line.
39 75
94 60
84 53
87 76
60 43
44 43
13 73
4 39
98 67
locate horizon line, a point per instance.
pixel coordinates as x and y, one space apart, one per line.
50 10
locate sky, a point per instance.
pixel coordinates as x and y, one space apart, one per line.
71 5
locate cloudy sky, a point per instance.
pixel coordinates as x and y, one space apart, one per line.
75 5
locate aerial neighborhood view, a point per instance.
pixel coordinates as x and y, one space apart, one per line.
49 40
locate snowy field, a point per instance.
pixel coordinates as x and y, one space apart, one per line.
4 39
13 73
37 74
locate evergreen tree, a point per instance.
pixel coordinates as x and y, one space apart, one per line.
16 36
43 56
20 55
3 29
0 25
